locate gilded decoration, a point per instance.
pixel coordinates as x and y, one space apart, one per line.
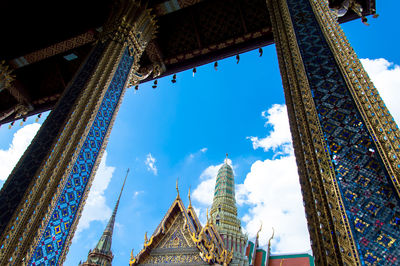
180 239
43 231
130 23
345 171
314 163
55 49
378 120
6 75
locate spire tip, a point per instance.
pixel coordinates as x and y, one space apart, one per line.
177 188
190 201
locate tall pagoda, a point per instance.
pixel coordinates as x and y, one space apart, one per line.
224 214
102 255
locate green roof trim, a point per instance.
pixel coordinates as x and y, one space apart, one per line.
251 244
302 255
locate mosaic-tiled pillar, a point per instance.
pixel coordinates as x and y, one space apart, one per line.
42 200
346 142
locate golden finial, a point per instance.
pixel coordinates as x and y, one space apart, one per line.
132 254
259 230
269 241
190 201
145 238
177 188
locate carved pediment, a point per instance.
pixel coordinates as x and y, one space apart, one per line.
181 240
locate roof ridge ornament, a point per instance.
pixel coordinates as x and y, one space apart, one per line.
259 230
177 188
272 237
190 201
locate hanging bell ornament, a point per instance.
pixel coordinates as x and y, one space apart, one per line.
155 84
365 21
136 87
10 126
237 59
173 78
23 120
216 65
194 71
260 50
37 118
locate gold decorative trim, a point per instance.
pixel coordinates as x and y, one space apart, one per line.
55 49
6 75
320 191
25 227
377 118
209 249
94 170
24 231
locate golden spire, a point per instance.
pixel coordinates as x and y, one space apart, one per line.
190 201
269 241
259 230
226 159
132 254
177 188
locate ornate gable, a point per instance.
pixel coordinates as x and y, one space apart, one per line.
181 240
175 246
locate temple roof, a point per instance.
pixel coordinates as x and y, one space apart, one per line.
46 43
102 254
206 240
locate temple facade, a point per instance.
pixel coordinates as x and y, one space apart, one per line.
180 239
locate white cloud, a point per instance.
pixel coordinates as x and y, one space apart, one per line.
272 190
203 193
137 193
279 138
21 140
96 208
386 77
151 163
197 153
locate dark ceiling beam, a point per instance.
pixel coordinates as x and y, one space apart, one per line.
241 16
196 30
55 49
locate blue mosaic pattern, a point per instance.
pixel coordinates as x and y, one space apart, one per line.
53 240
18 182
371 202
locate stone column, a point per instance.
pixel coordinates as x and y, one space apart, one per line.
346 142
41 201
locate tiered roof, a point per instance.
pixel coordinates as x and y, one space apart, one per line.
204 243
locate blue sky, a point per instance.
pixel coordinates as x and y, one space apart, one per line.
185 129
